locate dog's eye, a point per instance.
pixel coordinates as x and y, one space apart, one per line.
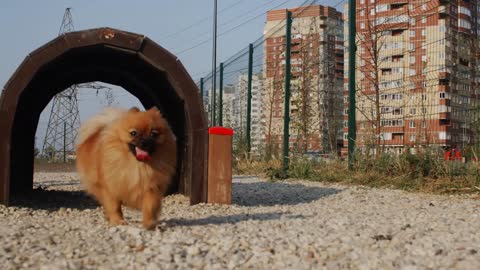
154 134
133 133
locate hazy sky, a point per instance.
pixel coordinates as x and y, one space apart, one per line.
174 24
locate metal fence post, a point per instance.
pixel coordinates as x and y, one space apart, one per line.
286 119
351 81
249 97
220 98
201 90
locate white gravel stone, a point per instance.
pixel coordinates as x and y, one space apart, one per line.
280 225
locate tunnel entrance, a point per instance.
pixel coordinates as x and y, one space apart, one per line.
134 62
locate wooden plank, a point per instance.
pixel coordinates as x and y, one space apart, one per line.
219 169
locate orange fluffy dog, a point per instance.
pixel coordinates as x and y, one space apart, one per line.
127 157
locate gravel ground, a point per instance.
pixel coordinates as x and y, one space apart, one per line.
282 225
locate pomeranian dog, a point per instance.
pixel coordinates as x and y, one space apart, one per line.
127 157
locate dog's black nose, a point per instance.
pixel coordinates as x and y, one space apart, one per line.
147 144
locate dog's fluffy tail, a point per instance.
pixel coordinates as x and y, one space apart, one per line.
97 123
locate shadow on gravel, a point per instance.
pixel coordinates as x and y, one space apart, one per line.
232 219
53 200
56 183
275 193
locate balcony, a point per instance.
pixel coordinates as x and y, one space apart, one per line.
443 11
444 115
444 88
445 102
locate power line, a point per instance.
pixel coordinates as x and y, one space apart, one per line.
196 23
227 31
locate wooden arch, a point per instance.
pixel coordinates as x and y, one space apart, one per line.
132 61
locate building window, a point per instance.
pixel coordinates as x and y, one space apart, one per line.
362 2
412 59
372 11
362 25
464 10
412 47
423 32
465 24
424 97
424 46
381 7
412 33
412 138
412 72
424 124
424 19
441 55
441 28
424 7
412 124
413 111
362 12
442 95
424 58
397 111
443 109
412 21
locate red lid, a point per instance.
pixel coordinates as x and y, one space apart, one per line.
220 131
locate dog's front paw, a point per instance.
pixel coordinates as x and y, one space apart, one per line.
149 224
117 222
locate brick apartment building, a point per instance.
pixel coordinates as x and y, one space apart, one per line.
417 73
317 56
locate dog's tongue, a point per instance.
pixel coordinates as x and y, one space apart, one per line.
141 154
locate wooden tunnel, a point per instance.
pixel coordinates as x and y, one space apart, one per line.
132 61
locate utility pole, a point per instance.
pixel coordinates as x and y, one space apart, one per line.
64 120
214 62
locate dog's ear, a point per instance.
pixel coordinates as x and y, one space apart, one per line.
134 109
155 109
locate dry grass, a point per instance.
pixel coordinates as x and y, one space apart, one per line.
420 173
41 165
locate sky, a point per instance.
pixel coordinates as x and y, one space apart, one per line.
184 27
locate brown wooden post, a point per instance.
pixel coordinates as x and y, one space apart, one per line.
219 165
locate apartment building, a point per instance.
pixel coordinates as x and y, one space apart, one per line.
235 110
316 78
416 73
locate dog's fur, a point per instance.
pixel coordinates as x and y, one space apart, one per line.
115 174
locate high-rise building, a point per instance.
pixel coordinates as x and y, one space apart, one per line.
316 78
235 112
417 73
